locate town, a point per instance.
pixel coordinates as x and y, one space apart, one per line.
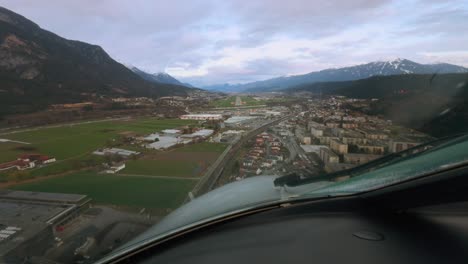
223 140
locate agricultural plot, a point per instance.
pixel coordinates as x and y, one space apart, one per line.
72 144
158 180
203 147
68 141
118 190
188 161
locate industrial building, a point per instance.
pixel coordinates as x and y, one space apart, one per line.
238 120
202 117
30 221
115 151
165 141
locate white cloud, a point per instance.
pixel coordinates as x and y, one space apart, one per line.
210 41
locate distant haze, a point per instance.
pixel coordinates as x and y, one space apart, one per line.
206 42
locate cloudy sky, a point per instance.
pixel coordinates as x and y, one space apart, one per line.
217 41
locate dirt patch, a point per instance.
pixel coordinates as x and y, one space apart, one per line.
128 133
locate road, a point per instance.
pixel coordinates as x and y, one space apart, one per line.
238 101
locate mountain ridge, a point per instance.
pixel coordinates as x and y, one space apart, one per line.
39 68
361 71
159 77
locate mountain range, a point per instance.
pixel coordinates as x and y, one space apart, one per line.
379 68
39 68
160 77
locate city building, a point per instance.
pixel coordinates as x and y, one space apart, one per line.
317 131
354 140
328 156
338 146
405 142
326 140
313 148
371 149
373 134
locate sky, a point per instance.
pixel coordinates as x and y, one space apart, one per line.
206 42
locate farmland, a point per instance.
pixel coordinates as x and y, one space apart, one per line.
117 190
161 168
155 179
72 144
187 161
69 141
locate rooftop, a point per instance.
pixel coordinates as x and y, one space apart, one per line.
42 196
171 131
237 119
164 141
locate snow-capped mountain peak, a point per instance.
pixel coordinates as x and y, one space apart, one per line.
159 77
396 66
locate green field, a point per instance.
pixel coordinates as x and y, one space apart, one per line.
9 151
162 168
131 191
72 144
187 161
69 141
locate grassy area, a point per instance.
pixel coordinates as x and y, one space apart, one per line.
118 190
163 168
68 141
61 166
72 144
9 151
